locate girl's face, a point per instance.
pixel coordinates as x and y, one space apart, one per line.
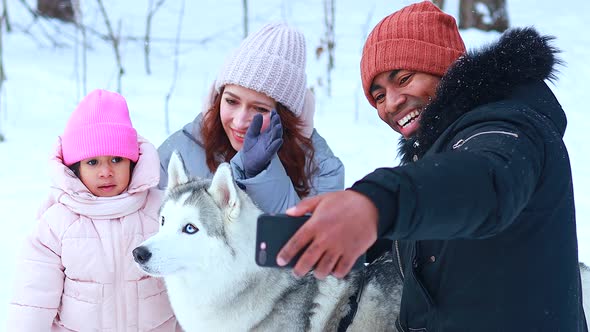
105 176
238 107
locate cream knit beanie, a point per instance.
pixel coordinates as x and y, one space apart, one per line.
270 61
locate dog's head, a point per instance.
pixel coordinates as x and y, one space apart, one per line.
205 225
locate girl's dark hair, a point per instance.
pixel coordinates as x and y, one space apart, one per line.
296 153
75 167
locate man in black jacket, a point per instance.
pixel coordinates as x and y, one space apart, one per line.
481 211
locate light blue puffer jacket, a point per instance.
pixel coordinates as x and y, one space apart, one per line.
272 189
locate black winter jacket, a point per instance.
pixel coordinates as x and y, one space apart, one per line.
483 203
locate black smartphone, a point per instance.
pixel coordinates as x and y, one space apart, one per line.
272 233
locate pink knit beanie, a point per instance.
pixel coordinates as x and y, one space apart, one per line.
100 126
418 37
270 61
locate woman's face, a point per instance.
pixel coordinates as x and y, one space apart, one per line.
238 107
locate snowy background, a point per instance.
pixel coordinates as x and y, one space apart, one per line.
43 85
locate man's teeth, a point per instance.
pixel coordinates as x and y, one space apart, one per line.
408 118
240 135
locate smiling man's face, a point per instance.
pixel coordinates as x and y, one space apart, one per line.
401 95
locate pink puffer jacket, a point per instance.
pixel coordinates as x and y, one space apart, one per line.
76 272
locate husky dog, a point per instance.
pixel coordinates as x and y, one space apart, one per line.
205 252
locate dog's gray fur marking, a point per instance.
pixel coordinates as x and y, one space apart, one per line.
290 298
199 196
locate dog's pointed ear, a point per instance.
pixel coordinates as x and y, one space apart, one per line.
223 189
177 174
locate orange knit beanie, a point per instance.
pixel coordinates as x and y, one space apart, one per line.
418 37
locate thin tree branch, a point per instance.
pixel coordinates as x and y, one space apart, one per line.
148 28
245 5
115 41
329 40
439 3
365 30
5 16
175 69
30 9
107 37
82 30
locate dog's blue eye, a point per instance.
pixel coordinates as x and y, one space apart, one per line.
190 229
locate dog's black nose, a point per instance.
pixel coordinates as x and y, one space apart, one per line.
141 255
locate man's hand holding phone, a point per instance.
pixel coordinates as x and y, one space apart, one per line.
272 232
342 226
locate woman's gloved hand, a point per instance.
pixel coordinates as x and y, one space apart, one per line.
259 148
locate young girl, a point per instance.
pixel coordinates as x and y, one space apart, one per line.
77 271
281 158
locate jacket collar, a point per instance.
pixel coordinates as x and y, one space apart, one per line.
521 57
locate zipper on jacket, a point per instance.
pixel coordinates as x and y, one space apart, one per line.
399 261
463 141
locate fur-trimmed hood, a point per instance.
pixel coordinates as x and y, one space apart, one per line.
520 57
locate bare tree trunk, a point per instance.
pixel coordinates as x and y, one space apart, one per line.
484 15
60 9
115 39
439 3
148 28
329 41
365 30
175 71
245 5
84 47
5 16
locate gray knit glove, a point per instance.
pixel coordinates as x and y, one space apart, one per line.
259 148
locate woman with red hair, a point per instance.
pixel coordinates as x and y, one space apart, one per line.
259 118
